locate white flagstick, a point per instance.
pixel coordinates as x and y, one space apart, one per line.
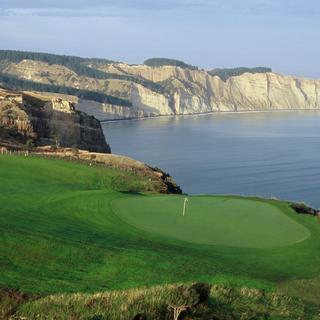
184 206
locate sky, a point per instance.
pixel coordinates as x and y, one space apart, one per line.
281 34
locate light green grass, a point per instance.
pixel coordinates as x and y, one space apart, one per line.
212 220
59 233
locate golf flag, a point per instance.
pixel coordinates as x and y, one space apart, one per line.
184 206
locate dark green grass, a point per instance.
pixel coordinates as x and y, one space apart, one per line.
60 234
212 220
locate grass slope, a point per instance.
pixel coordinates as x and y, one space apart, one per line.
59 233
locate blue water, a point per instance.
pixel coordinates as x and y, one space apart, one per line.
264 154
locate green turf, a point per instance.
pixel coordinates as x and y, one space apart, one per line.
59 233
212 220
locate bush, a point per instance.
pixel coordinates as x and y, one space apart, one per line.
203 291
302 208
181 299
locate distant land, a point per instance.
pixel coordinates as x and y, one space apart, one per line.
112 90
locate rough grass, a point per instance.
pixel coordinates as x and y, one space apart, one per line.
224 303
307 289
59 234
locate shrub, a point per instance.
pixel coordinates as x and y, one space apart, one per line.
302 208
203 290
181 299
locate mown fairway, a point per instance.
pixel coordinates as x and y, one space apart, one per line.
65 227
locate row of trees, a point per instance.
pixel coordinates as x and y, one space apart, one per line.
226 73
159 62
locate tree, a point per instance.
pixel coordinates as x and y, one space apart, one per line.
159 62
181 299
226 73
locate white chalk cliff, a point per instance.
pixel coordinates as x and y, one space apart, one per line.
183 91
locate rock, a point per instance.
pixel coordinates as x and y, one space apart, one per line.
47 120
302 208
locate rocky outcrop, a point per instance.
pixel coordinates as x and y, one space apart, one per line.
49 120
183 91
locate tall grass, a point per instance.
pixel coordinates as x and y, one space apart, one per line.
223 303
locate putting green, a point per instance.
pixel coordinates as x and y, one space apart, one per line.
226 221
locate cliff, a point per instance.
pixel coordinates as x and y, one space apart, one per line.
196 91
171 90
48 120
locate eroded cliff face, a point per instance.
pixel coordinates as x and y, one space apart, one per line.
183 91
195 91
49 120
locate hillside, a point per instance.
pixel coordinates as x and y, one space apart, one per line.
74 227
111 90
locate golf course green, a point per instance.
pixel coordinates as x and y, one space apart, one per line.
69 227
212 220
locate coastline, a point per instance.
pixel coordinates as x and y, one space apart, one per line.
210 113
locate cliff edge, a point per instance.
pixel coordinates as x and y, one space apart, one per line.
48 120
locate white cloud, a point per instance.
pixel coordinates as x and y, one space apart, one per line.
103 7
56 12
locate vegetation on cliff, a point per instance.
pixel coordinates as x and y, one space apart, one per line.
81 66
226 73
76 64
15 83
159 62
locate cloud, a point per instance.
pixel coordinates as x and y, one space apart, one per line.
84 8
107 8
57 12
85 4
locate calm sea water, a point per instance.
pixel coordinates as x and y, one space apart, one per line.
265 154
